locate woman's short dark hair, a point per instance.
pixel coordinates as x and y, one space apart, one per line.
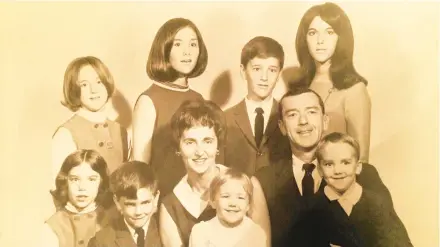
198 113
96 162
159 68
342 71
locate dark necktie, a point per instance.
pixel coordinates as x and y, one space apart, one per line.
259 125
307 182
140 237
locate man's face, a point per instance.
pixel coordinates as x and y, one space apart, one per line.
303 121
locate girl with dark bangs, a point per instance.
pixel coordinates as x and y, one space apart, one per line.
82 190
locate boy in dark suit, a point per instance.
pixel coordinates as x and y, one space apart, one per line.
253 138
346 213
136 195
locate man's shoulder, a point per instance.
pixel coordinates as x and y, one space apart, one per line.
274 170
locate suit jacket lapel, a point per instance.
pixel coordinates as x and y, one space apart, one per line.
272 123
152 238
123 236
242 120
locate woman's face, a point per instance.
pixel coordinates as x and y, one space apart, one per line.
321 40
83 185
185 51
198 148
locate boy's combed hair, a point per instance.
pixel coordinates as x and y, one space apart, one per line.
131 176
198 113
342 71
262 47
227 175
96 162
337 137
71 87
298 89
159 67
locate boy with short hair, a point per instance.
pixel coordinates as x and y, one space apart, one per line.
346 214
253 138
136 194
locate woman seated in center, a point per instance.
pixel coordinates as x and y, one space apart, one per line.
198 129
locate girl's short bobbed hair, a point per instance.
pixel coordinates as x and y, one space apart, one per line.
159 68
198 113
96 162
342 71
71 88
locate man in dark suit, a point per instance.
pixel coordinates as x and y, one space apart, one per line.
281 190
253 139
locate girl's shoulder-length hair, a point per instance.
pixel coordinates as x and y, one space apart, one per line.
71 87
96 162
159 68
342 71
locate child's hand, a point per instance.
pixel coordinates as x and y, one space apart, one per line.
334 245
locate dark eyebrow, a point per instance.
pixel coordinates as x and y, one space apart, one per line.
312 107
289 111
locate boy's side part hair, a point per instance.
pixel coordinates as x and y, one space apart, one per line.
337 137
227 175
71 88
262 47
96 162
132 176
159 68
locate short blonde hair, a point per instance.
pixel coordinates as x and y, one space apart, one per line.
71 89
231 174
337 137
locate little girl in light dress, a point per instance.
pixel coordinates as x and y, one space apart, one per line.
230 196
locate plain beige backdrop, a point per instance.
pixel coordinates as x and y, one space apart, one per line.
396 49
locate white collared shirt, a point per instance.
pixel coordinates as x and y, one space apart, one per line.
133 233
298 173
251 105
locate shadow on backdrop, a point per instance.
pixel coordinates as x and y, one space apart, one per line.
221 89
292 75
123 108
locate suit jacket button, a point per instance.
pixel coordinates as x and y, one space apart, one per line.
100 144
81 242
259 153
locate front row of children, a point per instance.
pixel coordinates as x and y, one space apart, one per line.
343 214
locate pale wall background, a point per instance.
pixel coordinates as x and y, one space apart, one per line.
396 49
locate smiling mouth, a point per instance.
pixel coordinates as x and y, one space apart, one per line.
199 161
81 198
95 98
304 132
187 61
232 210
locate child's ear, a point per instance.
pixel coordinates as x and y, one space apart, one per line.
212 204
320 170
243 72
359 168
156 198
116 201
